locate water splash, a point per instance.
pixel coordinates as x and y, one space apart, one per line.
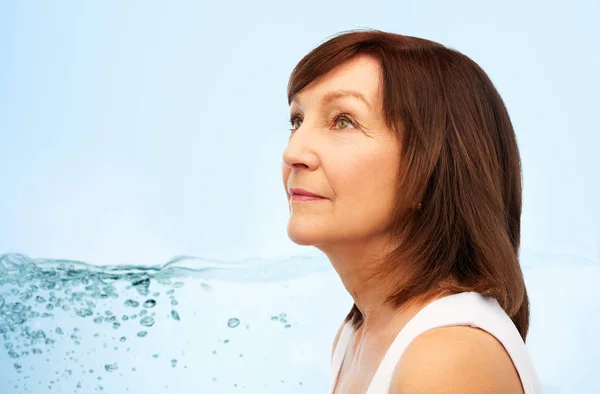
233 322
38 290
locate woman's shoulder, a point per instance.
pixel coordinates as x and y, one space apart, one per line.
456 359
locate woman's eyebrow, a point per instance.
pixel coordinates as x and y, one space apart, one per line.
339 94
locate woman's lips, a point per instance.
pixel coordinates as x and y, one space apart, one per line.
301 197
304 192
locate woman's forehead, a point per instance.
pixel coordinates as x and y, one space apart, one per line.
358 80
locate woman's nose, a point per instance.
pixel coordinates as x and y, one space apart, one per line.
300 153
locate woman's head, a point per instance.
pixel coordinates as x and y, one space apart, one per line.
341 149
435 135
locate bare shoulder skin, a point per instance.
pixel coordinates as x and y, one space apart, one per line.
458 359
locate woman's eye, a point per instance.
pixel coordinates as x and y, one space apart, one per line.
342 120
293 121
339 120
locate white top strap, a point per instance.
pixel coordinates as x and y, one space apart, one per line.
338 354
467 308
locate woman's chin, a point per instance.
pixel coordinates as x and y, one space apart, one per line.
303 239
304 234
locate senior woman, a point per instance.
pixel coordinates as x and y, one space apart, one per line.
402 166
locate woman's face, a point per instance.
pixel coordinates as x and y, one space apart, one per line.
352 160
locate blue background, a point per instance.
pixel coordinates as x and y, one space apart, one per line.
133 131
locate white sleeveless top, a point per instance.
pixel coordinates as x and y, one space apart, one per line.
463 309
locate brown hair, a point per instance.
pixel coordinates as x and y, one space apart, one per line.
458 213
